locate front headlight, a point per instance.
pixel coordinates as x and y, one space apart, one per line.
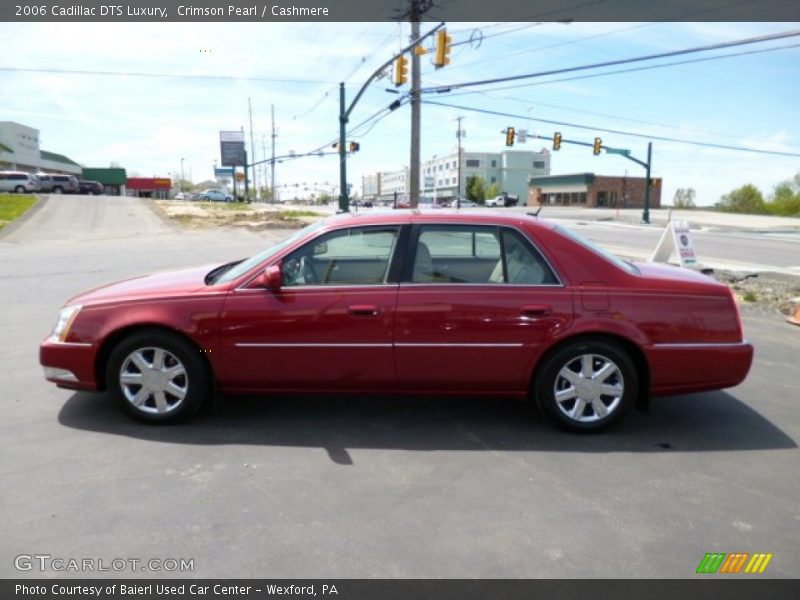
65 319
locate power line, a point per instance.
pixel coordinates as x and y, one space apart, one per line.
631 70
162 75
616 131
709 47
677 17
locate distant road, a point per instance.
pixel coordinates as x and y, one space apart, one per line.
736 251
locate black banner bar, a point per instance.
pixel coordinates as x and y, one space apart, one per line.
388 10
706 588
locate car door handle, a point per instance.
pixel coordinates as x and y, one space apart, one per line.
364 310
536 310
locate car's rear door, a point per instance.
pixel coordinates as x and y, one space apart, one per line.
330 325
474 307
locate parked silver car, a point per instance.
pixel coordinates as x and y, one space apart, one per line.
53 183
18 182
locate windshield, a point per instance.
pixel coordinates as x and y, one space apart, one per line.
244 266
622 264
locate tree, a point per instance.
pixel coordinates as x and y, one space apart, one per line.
746 199
786 198
493 190
476 189
684 198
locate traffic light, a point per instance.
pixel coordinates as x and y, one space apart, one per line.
598 145
557 141
510 135
442 56
400 70
355 146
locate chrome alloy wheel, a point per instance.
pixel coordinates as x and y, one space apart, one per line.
153 380
589 388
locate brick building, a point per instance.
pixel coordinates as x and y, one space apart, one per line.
592 191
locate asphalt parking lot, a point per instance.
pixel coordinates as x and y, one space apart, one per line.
369 487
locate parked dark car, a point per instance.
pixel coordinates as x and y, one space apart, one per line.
91 187
53 183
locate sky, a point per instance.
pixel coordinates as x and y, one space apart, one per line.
208 71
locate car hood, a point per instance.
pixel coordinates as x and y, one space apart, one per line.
165 284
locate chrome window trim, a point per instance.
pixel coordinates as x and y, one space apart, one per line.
328 288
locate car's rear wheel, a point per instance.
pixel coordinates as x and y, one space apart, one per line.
158 377
57 190
586 385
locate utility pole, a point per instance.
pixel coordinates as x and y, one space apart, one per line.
647 185
415 108
344 203
246 178
264 165
272 176
459 135
252 149
182 178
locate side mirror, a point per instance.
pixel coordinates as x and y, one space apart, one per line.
271 278
320 248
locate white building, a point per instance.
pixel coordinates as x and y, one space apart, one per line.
19 151
510 170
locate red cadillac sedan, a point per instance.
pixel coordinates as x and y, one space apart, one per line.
407 302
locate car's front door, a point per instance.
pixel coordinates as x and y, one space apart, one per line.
473 309
329 326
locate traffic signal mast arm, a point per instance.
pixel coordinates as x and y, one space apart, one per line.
384 66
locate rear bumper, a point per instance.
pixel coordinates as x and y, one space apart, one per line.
69 365
684 368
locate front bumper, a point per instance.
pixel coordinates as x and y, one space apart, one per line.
69 365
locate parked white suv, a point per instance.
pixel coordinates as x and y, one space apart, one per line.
56 183
18 182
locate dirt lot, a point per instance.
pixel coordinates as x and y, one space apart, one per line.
772 291
203 215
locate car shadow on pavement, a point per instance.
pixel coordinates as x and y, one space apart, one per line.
714 421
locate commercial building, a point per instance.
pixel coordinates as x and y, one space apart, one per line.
592 191
149 187
112 178
19 151
510 170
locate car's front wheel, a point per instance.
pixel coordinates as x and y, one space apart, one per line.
19 189
58 190
586 385
158 377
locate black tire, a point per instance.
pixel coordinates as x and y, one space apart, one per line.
550 377
196 381
58 190
19 190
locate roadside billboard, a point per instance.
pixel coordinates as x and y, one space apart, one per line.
231 149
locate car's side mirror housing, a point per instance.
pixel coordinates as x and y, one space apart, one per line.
271 278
